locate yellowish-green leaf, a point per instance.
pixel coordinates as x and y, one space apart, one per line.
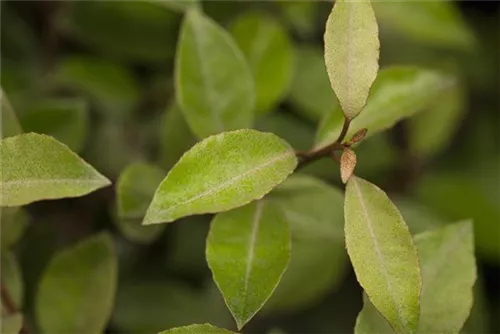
432 130
248 250
88 273
12 278
268 49
382 253
214 84
314 212
197 329
220 173
310 92
448 275
398 92
64 119
36 167
351 53
10 123
135 189
11 324
436 23
14 222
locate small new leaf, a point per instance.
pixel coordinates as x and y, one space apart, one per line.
347 164
222 172
351 53
36 167
248 250
358 136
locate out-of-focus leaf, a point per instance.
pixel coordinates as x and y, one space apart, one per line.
299 134
197 329
87 273
269 52
248 250
175 136
382 253
179 6
11 324
10 123
310 92
397 93
436 23
432 130
455 196
479 319
14 222
314 211
448 274
376 156
36 167
351 53
214 83
300 15
220 173
109 85
64 119
150 306
12 278
135 189
142 31
418 217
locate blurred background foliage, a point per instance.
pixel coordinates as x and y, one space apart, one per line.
98 76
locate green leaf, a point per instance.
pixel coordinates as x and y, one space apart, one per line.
382 253
268 49
310 93
175 136
318 261
398 92
14 222
220 173
432 131
197 329
12 278
136 31
12 324
149 306
36 167
10 123
135 189
419 217
248 250
436 23
448 274
351 53
87 273
300 15
214 84
64 119
179 6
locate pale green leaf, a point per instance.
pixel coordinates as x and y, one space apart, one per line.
398 92
11 324
14 222
382 253
12 278
310 91
436 23
214 84
175 136
314 212
197 329
269 52
351 53
10 123
88 273
432 130
64 119
220 173
448 274
248 250
36 167
135 189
